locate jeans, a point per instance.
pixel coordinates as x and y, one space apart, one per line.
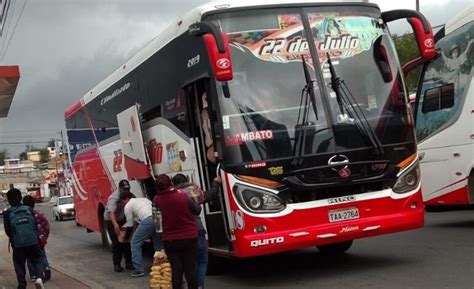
202 260
118 249
44 264
182 255
20 255
145 230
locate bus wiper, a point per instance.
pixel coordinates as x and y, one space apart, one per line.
302 124
345 99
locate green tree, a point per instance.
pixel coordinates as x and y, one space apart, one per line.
51 143
3 156
407 49
44 155
23 156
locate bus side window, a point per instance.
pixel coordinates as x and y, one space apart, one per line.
438 98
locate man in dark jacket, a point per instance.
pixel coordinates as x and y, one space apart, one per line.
114 219
179 231
20 226
182 183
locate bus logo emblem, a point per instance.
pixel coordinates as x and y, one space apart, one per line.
429 43
338 161
223 63
344 172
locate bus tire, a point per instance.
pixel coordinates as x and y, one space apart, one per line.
215 264
470 186
335 249
106 241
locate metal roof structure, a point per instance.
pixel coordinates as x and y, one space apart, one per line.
9 77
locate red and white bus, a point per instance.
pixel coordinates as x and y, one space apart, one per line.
444 114
300 108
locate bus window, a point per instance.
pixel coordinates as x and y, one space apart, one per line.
450 72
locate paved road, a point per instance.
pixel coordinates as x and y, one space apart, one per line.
441 255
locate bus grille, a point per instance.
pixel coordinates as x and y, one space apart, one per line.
331 192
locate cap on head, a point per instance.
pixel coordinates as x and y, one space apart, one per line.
124 184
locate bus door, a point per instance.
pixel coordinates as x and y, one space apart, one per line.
201 132
133 153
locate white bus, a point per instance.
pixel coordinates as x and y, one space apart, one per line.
445 116
302 105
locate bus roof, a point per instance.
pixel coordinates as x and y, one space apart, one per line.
459 20
175 29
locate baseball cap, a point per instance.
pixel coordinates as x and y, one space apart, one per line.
124 184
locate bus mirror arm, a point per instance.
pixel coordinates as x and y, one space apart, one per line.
414 63
421 27
225 89
201 28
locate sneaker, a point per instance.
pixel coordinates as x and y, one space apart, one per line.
137 274
39 284
129 266
33 278
47 274
118 268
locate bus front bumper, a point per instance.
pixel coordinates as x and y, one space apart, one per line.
377 217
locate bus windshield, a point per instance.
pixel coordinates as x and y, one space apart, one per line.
263 117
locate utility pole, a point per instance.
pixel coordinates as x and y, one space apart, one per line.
418 5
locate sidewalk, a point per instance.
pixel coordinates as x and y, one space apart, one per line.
8 277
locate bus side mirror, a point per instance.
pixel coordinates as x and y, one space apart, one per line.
421 27
218 48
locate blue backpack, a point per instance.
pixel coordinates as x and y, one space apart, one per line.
23 226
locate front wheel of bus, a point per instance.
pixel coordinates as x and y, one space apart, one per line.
215 264
335 249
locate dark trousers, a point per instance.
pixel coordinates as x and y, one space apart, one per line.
20 255
118 249
182 255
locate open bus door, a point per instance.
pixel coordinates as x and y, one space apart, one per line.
200 94
133 149
201 133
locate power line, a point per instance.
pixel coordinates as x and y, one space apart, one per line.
22 142
7 25
14 29
4 16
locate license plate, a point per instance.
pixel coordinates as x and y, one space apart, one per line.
343 214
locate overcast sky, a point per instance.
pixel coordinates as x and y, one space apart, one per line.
65 47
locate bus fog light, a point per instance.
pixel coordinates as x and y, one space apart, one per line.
414 205
260 229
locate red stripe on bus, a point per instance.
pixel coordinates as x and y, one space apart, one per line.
73 109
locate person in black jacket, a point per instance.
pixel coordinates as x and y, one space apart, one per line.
182 183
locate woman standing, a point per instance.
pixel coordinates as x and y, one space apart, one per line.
179 231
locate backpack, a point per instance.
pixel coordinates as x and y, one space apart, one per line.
23 226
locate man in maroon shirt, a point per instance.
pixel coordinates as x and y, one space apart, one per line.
179 231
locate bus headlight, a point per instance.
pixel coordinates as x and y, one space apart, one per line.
258 201
409 180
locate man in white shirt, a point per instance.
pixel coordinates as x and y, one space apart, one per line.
139 210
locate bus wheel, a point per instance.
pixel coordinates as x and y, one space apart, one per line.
335 249
106 240
215 265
